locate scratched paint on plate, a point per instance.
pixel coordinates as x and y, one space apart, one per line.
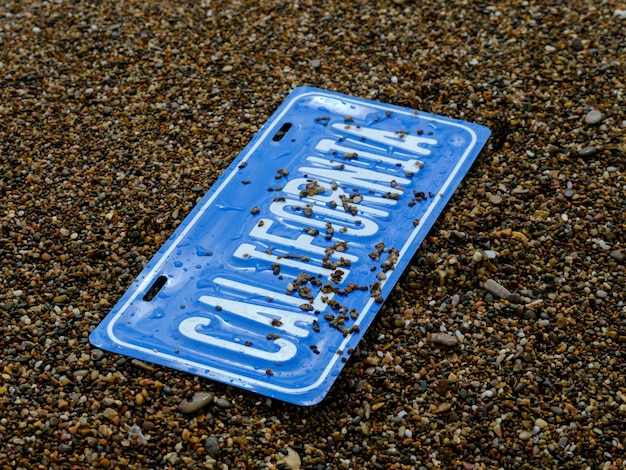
276 274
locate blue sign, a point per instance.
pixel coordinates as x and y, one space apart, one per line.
273 278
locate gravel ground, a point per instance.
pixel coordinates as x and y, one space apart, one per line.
503 345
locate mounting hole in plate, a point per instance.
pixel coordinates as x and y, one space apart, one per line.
157 285
282 131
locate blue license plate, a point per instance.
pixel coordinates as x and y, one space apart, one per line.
273 278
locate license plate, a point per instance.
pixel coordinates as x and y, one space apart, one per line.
275 275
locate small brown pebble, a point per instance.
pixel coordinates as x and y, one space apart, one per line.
442 408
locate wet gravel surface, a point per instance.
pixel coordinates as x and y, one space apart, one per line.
503 345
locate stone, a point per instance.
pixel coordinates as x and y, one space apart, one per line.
618 255
525 435
496 289
223 403
197 401
593 117
442 386
212 446
442 408
444 339
291 460
588 151
109 413
577 44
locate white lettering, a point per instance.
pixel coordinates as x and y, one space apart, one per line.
409 143
286 349
296 185
302 242
327 145
247 251
261 314
366 228
318 303
352 175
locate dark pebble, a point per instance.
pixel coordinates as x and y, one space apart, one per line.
212 445
65 448
618 255
577 44
588 151
530 315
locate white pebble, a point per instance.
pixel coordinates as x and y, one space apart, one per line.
621 14
394 79
593 117
491 254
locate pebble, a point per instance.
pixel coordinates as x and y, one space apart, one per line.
588 151
577 44
65 448
223 403
197 401
495 199
557 410
97 354
212 446
499 290
618 255
135 434
593 117
525 435
444 339
109 413
291 460
442 408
